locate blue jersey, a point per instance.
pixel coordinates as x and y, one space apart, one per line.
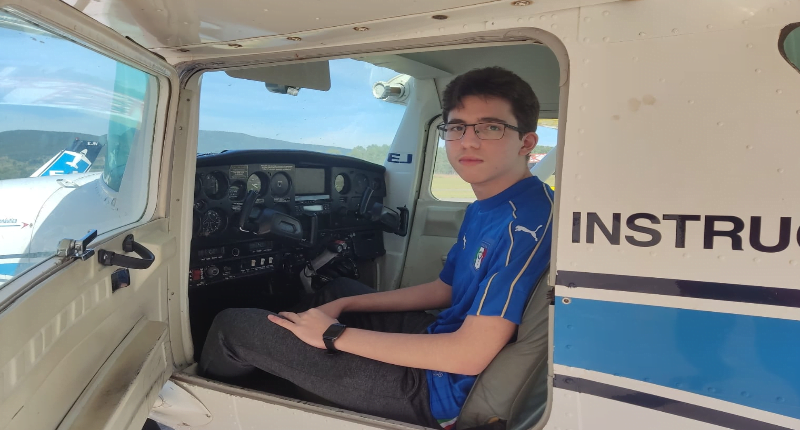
503 248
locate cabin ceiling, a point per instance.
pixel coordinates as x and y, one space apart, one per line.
175 23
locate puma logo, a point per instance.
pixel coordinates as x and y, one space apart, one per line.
526 230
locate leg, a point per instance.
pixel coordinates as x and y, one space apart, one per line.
243 340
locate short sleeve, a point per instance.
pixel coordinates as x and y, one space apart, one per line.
511 278
446 275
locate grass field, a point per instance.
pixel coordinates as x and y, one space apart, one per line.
451 187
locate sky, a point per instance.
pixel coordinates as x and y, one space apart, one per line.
345 116
48 83
52 84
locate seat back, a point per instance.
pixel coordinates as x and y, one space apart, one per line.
521 364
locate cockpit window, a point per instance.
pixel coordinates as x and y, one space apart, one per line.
348 119
790 44
76 139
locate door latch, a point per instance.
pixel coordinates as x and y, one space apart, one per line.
109 258
71 248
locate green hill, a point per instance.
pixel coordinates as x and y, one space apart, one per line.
22 152
217 141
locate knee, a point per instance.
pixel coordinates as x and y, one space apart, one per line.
232 324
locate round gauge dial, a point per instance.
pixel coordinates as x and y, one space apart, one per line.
258 182
341 183
215 185
280 184
213 222
236 192
361 183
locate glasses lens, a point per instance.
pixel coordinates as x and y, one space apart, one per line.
452 131
490 130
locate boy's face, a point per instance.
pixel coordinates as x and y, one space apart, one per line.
484 162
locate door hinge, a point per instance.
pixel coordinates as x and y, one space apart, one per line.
71 248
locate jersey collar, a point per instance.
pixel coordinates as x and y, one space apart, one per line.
508 194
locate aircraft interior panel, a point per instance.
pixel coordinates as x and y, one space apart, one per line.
304 210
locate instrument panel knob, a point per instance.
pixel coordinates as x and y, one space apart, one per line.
212 271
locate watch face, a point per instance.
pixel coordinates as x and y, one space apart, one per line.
331 334
334 331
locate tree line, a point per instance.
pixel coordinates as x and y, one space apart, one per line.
377 154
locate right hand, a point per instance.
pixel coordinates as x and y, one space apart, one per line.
333 309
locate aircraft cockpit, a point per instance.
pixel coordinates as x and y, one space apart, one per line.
268 210
310 172
284 222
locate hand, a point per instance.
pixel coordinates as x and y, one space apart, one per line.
307 326
333 309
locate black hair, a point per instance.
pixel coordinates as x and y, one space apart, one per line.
495 82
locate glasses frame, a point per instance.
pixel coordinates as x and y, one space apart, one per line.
442 131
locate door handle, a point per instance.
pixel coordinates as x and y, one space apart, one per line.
109 258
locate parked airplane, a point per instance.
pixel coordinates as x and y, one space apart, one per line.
672 300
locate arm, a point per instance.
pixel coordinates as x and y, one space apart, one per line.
432 295
467 351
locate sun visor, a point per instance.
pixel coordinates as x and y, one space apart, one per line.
314 75
406 66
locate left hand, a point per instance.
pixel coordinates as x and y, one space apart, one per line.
308 326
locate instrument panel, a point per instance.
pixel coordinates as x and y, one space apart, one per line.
301 184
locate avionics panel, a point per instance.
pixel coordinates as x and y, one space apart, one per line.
309 181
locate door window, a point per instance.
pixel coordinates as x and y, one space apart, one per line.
76 135
791 45
448 186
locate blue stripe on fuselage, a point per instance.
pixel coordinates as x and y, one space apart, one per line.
747 360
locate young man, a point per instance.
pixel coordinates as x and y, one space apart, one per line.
397 361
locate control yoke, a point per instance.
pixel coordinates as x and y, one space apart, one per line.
391 220
268 221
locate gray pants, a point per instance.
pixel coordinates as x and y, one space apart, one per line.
241 341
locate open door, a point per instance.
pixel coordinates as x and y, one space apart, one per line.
86 254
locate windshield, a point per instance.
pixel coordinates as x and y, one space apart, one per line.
347 119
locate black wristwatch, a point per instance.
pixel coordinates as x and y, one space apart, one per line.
331 334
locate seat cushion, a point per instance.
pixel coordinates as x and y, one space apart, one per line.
500 383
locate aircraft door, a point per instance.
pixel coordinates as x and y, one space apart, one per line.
83 299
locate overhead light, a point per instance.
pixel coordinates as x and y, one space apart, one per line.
294 38
522 3
360 28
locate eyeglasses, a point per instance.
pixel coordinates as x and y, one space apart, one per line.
484 130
